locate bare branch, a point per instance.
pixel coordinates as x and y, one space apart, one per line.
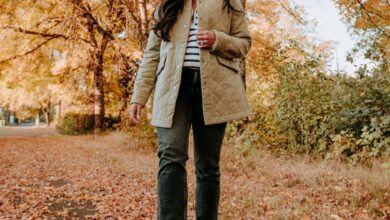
49 19
363 8
369 11
28 52
37 33
92 35
87 14
25 31
292 13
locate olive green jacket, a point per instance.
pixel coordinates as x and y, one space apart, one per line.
223 94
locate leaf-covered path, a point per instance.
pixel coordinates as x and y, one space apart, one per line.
75 176
108 177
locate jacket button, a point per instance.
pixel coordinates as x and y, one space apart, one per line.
174 87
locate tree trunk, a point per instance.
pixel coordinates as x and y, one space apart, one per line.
47 114
1 117
11 118
99 85
99 95
37 119
144 22
96 64
58 112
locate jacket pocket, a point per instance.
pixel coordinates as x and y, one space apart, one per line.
161 64
228 63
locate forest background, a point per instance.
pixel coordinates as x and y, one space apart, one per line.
74 62
316 147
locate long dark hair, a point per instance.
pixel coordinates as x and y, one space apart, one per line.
168 12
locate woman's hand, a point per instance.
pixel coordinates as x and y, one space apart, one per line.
135 112
205 39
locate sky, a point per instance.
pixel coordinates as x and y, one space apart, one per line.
331 27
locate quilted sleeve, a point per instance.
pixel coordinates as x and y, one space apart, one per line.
237 43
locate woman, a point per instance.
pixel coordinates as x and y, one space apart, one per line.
188 61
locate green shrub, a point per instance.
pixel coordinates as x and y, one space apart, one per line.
387 166
328 115
74 124
307 108
111 122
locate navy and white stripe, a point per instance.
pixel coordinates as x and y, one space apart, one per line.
191 57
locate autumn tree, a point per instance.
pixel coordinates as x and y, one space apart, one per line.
370 20
95 45
91 36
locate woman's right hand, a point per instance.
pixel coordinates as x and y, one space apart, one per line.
135 112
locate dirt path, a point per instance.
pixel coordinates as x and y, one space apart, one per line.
107 177
27 131
75 176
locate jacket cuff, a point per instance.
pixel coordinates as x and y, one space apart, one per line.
139 99
215 44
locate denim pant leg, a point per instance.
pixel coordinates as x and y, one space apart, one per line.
173 153
207 148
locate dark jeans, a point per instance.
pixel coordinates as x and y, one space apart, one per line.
173 154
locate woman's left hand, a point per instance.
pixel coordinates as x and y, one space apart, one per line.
205 39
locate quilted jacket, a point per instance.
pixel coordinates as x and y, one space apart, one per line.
223 94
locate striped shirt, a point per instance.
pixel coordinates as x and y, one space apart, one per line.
191 56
